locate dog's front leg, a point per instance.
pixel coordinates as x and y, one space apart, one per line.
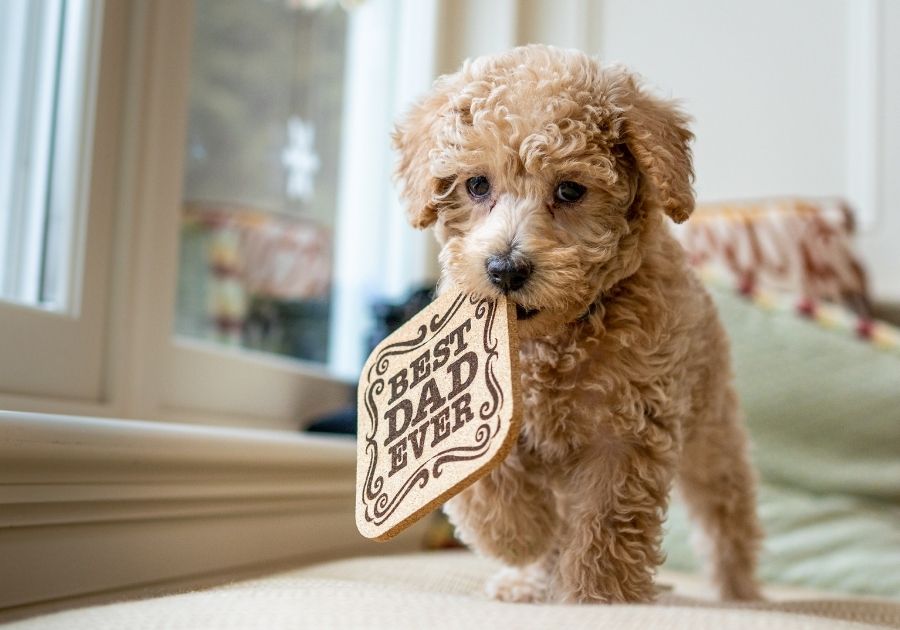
614 505
506 514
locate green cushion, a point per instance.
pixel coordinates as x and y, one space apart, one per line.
823 411
823 407
830 542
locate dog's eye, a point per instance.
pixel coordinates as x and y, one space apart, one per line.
478 187
569 192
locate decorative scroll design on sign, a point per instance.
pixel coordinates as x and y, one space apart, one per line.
489 407
379 505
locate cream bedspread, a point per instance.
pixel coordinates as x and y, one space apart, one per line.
444 590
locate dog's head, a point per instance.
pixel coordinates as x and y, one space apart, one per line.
541 169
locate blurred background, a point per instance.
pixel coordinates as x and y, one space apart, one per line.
290 226
198 223
290 229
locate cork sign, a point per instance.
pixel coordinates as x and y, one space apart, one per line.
439 406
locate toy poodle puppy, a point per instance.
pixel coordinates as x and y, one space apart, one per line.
548 177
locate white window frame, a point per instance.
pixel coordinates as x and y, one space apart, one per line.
58 355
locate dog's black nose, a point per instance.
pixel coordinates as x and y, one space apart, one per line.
508 273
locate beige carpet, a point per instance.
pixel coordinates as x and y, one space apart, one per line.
444 590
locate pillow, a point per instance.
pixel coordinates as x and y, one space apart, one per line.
802 246
820 389
835 543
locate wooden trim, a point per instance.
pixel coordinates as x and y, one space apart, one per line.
92 505
150 201
211 384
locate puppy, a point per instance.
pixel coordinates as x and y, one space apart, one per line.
548 178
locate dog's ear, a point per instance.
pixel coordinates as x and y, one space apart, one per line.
657 135
414 138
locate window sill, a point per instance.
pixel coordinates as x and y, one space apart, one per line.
89 505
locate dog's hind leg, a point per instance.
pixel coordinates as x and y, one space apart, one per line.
719 487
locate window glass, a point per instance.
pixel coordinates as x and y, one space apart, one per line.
261 175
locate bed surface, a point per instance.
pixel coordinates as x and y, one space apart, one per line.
444 590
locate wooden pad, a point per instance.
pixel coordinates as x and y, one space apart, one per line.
439 406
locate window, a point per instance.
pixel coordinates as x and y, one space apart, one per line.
262 155
54 262
289 225
208 204
43 77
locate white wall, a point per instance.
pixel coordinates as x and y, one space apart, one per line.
789 98
764 81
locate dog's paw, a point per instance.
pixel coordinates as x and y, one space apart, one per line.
740 588
528 584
